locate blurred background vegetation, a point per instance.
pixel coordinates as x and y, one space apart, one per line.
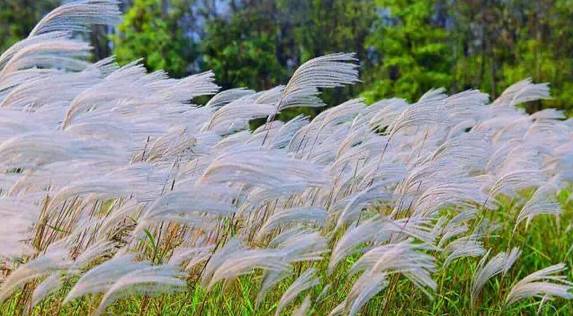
405 47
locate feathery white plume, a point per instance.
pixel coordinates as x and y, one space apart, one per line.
544 283
305 281
500 263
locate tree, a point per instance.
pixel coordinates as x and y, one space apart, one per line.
241 48
321 27
18 18
500 42
484 33
154 30
410 51
543 51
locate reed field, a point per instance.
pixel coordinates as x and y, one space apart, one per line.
121 196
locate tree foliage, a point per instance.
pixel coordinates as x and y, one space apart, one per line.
410 48
248 37
18 18
406 47
152 29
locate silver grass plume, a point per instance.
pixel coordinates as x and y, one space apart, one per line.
545 283
303 308
543 201
499 264
53 260
367 286
305 281
102 277
404 258
146 280
327 71
78 15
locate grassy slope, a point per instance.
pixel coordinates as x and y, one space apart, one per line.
545 242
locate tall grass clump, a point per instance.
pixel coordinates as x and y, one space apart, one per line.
118 195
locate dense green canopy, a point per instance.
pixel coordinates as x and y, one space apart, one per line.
406 46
